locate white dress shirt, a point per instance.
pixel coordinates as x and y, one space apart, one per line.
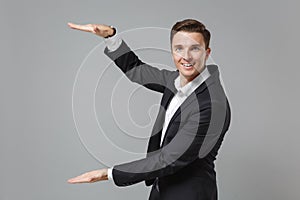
180 97
114 42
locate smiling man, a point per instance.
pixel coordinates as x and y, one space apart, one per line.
192 120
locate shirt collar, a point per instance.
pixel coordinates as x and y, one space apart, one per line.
191 86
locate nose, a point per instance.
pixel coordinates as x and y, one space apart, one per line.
186 55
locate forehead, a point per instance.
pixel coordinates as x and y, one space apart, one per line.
188 38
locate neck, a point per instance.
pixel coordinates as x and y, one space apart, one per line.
184 81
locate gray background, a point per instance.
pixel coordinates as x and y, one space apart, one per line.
254 42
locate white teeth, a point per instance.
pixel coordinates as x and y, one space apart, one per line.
187 64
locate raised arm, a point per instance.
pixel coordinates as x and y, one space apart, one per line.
139 72
136 70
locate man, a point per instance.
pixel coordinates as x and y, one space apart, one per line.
191 122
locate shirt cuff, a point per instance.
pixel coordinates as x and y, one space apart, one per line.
113 43
109 173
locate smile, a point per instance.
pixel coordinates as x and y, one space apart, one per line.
187 65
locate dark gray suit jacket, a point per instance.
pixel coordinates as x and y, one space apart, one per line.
184 166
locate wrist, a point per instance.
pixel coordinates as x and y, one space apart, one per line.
111 32
105 174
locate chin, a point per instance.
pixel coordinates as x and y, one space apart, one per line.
189 76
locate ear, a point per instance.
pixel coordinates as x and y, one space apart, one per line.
207 51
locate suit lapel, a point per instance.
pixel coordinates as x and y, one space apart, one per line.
214 76
154 142
188 100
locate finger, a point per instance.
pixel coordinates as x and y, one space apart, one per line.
80 27
79 180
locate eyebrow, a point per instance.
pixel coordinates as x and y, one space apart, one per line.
178 45
193 45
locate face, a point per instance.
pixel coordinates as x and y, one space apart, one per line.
189 54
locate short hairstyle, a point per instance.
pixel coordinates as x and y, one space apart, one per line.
191 25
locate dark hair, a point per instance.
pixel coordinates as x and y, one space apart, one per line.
191 25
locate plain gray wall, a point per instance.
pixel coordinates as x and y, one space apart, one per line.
255 43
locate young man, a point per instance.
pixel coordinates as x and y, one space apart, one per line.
191 123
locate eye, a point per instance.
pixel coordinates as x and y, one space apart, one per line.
178 49
195 48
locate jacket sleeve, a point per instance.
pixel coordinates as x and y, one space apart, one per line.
138 71
182 150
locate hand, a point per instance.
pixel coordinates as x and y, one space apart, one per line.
90 177
98 29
